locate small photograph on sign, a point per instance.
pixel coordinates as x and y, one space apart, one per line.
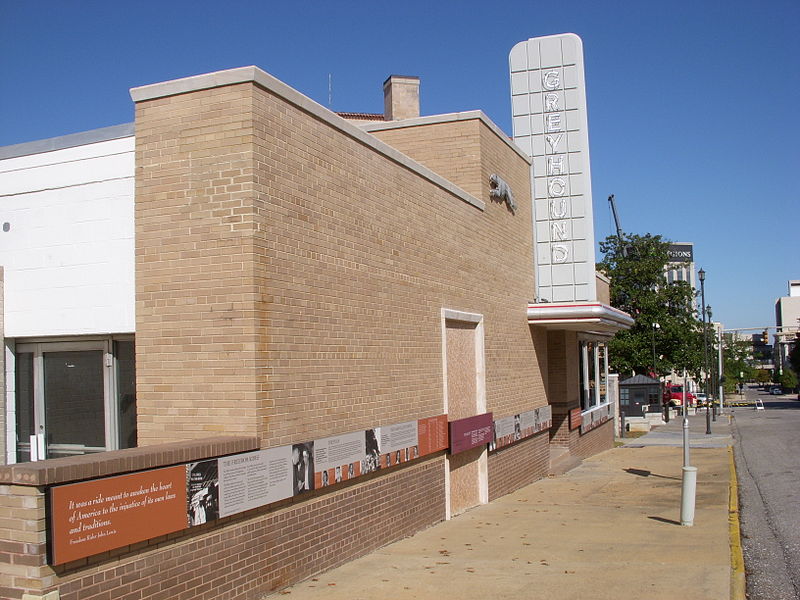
303 467
372 459
202 492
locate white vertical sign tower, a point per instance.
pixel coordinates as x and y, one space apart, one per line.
548 99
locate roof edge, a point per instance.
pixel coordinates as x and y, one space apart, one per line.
449 118
257 76
71 140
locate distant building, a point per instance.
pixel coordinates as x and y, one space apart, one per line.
787 320
681 267
681 263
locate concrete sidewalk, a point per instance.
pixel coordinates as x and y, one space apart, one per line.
608 529
671 434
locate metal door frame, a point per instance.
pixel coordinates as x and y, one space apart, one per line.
110 409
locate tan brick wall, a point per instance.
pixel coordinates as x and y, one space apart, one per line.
451 149
290 285
467 153
290 279
200 367
23 547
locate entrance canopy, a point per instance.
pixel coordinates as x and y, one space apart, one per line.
589 317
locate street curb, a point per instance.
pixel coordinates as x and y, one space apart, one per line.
738 587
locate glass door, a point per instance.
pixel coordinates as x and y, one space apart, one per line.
63 392
74 402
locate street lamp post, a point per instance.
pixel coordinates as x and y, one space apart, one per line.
702 276
655 326
720 374
710 384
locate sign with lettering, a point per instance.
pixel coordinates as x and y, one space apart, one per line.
549 121
681 252
99 515
433 434
339 458
254 479
471 432
518 427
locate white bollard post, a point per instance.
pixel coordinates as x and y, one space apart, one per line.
688 491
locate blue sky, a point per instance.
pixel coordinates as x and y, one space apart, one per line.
693 106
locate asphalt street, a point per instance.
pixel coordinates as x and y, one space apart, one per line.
767 454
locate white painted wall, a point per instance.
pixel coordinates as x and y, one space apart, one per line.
68 253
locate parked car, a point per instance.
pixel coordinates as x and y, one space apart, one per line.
776 390
702 398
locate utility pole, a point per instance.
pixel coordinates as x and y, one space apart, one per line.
702 276
720 375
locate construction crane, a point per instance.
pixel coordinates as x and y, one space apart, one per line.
616 222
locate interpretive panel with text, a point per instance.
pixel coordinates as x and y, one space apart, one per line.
433 434
470 432
102 514
99 515
518 427
254 479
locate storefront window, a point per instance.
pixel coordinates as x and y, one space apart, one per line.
602 370
593 358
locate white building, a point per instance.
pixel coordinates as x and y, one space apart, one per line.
787 320
681 265
67 248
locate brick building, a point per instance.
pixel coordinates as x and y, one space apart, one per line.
252 278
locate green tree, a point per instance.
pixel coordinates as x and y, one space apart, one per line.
635 264
737 362
788 380
763 376
794 357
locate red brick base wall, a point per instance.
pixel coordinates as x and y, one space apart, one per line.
516 466
595 441
262 551
560 435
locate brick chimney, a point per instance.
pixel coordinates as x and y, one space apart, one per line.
400 97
